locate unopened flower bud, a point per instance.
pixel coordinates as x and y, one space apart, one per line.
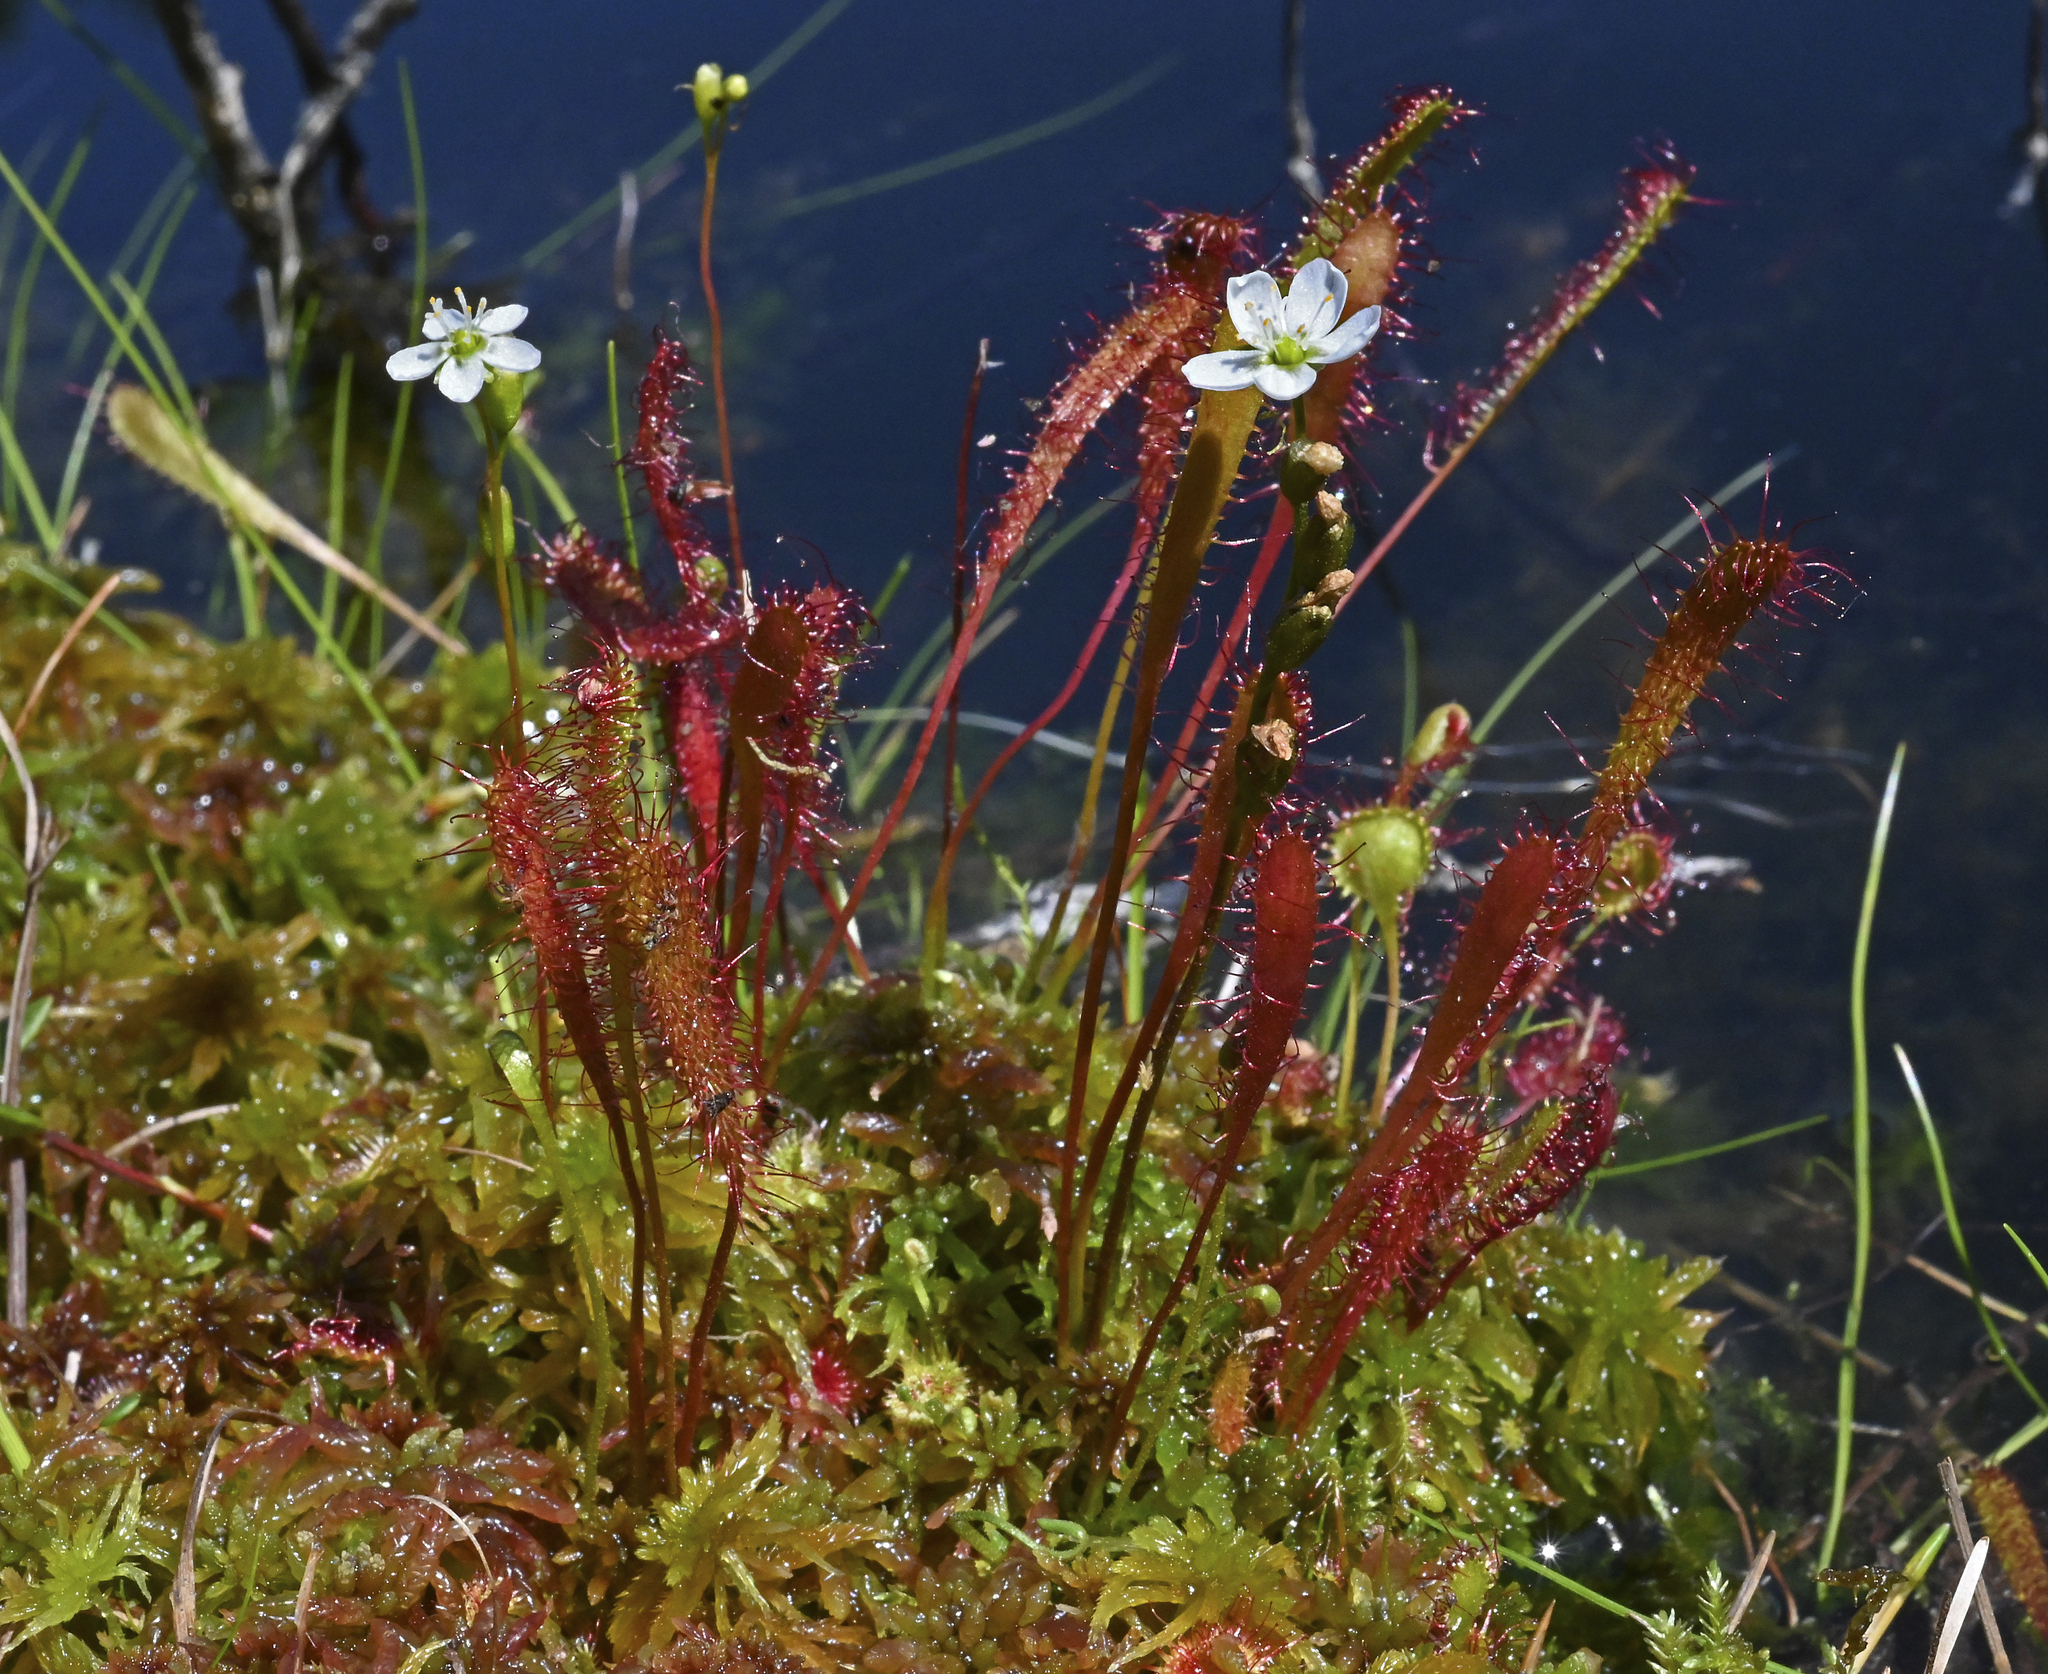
500 402
1380 855
1443 740
1298 633
494 522
1307 468
715 93
1322 542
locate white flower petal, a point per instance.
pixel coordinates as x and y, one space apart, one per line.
1347 340
501 320
1224 369
460 380
419 361
443 321
510 354
1255 308
1315 301
435 328
1284 383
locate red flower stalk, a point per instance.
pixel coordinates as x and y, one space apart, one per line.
1284 908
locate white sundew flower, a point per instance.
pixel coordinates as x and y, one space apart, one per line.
1286 337
465 346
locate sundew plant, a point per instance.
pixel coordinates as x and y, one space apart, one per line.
478 1201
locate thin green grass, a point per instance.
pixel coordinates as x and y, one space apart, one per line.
387 492
611 383
1999 1345
982 151
119 68
1859 1119
337 486
1651 1164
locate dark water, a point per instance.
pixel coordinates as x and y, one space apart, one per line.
1852 291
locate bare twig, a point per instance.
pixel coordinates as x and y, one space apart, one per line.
273 205
184 1583
1960 1519
1753 1580
78 622
1301 133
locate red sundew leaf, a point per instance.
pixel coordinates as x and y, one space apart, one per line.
2011 1527
593 578
1363 185
520 811
1521 1175
681 980
1406 1205
694 715
662 457
1284 912
1184 298
1558 1061
1650 198
1737 581
1488 973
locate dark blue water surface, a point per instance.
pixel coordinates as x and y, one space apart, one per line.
1853 291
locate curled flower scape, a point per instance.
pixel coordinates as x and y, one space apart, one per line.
1286 337
466 346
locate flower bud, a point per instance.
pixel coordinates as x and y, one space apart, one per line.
500 402
1380 855
494 522
1322 542
1297 633
1443 740
1307 469
715 93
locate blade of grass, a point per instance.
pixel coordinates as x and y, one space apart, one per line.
1999 1346
31 271
1859 1118
757 78
611 381
81 438
337 484
1619 1170
968 155
387 492
543 479
22 490
169 200
118 68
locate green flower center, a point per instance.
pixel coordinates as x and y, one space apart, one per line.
465 343
1289 352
